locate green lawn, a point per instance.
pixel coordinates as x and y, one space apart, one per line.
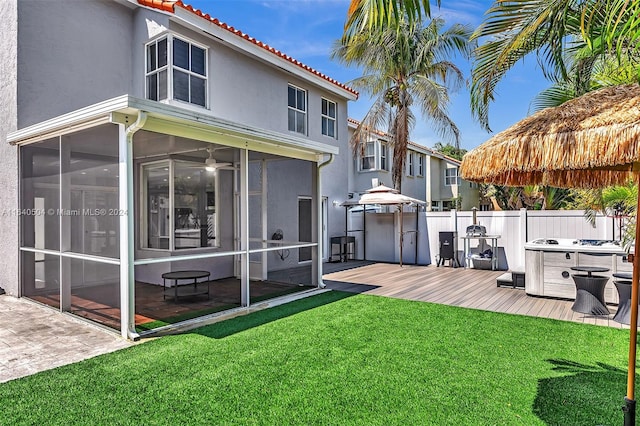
335 360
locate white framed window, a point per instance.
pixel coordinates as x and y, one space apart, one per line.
384 156
368 160
297 109
411 164
420 165
329 118
176 69
451 177
179 206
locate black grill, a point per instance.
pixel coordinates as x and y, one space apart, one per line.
448 248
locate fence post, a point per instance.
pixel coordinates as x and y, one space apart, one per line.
523 235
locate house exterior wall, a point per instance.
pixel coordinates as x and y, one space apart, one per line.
287 181
414 186
9 279
255 93
436 175
83 61
70 56
470 195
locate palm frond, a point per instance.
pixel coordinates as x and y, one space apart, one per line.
368 15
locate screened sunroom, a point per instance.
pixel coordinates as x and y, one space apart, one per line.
140 216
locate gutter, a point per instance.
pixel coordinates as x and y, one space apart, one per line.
321 283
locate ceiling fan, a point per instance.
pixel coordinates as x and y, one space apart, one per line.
211 164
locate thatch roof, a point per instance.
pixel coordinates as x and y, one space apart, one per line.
591 141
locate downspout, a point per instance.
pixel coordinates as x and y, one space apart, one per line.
127 238
321 283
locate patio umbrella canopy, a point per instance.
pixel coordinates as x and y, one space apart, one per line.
589 142
384 195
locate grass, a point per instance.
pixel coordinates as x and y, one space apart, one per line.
333 360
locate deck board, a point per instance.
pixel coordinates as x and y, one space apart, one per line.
468 288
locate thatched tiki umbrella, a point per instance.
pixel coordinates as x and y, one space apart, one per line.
589 142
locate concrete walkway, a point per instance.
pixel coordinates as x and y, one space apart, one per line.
34 338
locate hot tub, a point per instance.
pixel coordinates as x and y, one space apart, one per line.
548 263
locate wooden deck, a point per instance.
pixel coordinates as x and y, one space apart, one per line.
469 288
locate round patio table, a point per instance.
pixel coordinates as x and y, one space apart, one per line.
192 278
590 290
623 314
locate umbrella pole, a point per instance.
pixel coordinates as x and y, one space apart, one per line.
629 407
401 234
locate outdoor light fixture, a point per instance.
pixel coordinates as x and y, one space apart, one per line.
211 165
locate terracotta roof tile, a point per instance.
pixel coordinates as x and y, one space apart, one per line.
169 6
158 4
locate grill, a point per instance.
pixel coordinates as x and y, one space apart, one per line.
448 248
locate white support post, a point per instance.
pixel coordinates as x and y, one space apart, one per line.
264 210
65 225
125 189
316 225
244 227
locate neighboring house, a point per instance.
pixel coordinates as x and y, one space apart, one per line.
446 189
429 175
145 137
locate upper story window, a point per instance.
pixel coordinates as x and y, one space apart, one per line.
328 118
368 160
411 165
451 177
420 165
176 69
297 100
384 155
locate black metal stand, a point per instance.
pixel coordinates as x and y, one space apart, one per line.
629 409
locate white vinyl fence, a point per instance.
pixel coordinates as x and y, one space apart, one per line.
514 227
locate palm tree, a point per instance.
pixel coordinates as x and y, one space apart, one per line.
620 28
531 197
618 202
405 68
584 31
605 70
367 15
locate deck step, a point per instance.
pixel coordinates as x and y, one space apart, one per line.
514 279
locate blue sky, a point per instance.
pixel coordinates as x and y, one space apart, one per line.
307 29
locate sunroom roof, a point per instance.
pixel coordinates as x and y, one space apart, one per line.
169 119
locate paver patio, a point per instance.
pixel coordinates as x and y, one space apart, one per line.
34 338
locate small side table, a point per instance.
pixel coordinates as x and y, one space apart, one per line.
623 314
177 276
590 290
